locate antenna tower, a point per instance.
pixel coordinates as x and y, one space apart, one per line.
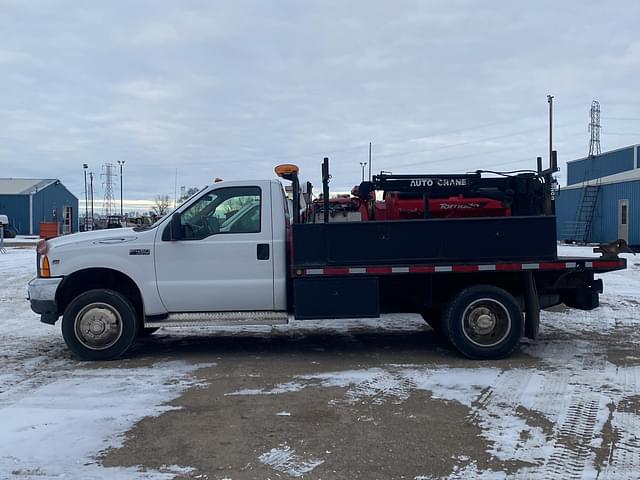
594 128
108 174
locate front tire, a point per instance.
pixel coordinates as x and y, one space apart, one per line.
100 325
484 322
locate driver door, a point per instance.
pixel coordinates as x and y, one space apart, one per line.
224 262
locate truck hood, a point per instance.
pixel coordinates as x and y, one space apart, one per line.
97 237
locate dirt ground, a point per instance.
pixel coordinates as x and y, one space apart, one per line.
376 436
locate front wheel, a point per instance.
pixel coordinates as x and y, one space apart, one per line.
484 322
99 325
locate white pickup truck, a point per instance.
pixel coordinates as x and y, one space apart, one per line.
231 256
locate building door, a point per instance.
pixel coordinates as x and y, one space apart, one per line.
67 226
623 219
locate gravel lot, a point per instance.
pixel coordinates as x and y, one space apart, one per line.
342 400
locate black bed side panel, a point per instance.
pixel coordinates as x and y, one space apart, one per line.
425 241
336 298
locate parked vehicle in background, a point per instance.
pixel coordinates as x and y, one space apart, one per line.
9 231
236 254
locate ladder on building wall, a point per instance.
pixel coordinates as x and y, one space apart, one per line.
579 231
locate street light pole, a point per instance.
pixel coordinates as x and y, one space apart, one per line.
363 164
86 197
121 163
91 190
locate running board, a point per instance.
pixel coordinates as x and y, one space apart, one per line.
218 319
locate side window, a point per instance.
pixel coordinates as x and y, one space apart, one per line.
226 210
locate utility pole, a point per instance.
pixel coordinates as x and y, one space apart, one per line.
86 197
91 177
121 163
363 164
369 161
550 100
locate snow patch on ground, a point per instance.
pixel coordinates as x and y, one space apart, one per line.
551 418
285 460
58 414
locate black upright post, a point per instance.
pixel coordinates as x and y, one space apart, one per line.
325 188
295 185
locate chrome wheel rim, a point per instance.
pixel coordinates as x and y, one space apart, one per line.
486 322
98 326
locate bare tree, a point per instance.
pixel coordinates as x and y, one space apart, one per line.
161 205
188 194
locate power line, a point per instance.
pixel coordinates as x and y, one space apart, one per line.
624 134
414 139
459 144
630 119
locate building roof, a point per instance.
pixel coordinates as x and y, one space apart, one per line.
605 153
626 176
24 186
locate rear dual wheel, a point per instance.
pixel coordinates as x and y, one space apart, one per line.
483 322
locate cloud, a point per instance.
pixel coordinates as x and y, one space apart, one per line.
231 88
148 90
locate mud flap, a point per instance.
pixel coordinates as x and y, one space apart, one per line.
531 307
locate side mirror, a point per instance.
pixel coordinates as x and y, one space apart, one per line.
175 227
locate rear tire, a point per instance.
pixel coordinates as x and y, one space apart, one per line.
100 325
484 322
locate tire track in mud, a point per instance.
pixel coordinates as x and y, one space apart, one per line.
572 452
572 419
576 422
623 458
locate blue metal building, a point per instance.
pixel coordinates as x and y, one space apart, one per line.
601 201
28 201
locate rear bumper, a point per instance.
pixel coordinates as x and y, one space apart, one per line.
42 296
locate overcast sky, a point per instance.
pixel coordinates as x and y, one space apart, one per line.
232 88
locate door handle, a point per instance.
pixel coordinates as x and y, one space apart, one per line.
263 251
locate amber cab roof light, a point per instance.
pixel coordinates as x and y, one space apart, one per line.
286 170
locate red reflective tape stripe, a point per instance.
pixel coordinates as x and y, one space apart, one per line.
508 266
608 264
336 271
465 268
553 266
422 269
378 270
504 267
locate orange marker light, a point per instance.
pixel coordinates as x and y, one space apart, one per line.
45 271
